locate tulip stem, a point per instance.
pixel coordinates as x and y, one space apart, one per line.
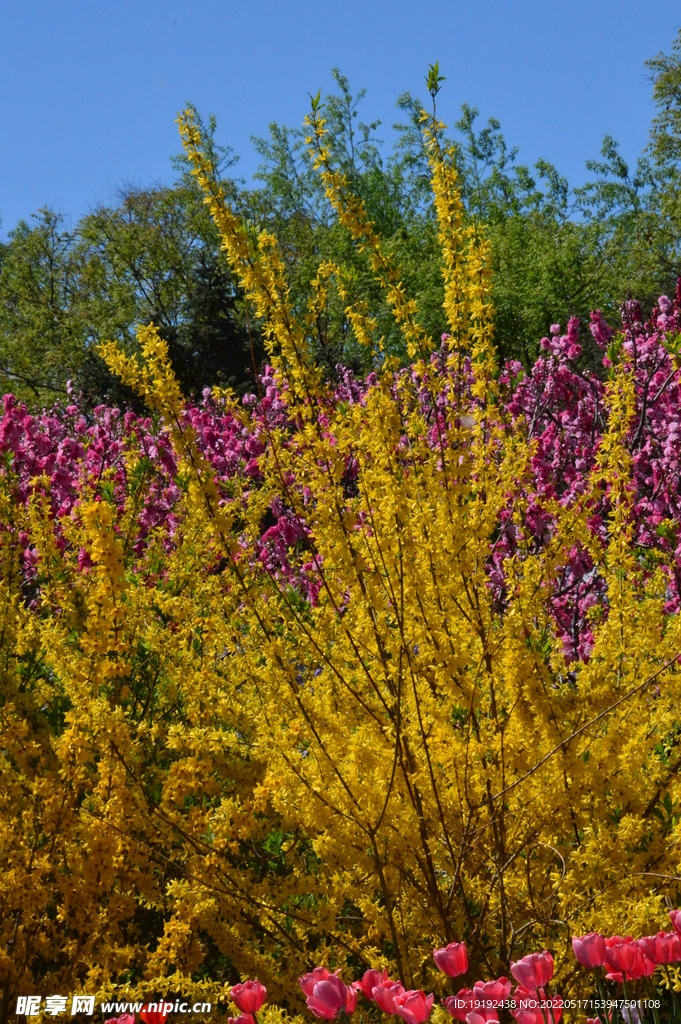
616 1009
602 1012
641 1015
675 1004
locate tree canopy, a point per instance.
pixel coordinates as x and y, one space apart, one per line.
154 257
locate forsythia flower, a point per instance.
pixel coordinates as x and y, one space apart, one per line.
343 671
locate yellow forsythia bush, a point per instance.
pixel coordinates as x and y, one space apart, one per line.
218 759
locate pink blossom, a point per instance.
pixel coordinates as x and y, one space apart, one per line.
372 979
452 959
248 996
589 950
534 970
460 1005
385 996
663 948
330 997
620 957
308 981
414 1006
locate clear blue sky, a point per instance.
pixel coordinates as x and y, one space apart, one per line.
89 90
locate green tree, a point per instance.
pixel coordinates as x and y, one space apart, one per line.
43 338
153 257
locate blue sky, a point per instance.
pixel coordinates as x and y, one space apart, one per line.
89 91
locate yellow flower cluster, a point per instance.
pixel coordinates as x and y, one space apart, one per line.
202 774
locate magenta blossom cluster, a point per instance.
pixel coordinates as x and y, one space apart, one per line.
560 403
71 455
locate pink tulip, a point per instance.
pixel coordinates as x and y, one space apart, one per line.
675 918
452 959
529 1009
308 981
385 995
620 957
460 1005
249 996
414 1006
589 950
534 970
643 965
527 1006
487 1014
663 948
243 1018
331 997
491 994
350 999
371 980
125 1018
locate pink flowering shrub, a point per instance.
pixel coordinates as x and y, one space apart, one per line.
562 407
560 403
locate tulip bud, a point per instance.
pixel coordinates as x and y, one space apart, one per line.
589 950
308 981
249 996
452 959
460 1005
384 996
371 980
414 1006
663 948
534 970
527 1006
643 965
620 957
330 997
492 993
157 1016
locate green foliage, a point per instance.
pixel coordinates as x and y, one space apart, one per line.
154 256
665 135
43 330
